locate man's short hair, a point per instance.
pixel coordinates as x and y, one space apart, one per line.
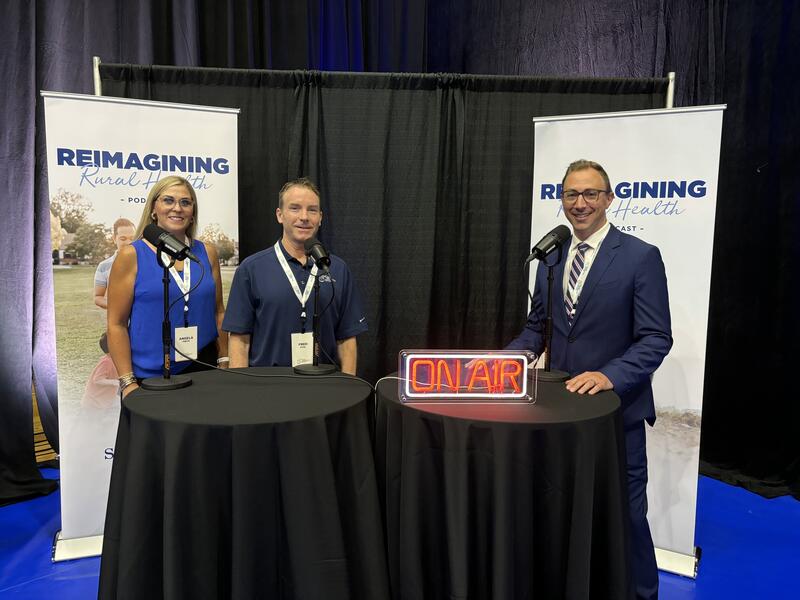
122 222
582 164
301 182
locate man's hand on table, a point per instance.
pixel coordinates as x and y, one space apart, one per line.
589 382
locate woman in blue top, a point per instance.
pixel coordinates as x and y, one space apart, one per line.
136 297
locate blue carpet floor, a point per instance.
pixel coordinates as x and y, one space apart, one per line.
751 550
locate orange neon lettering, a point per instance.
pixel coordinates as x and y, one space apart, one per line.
443 372
511 370
481 366
498 383
415 384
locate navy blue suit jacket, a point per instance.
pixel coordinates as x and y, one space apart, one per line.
622 322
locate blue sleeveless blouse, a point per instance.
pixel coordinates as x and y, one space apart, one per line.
147 310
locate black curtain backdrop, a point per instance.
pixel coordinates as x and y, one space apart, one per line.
425 182
744 53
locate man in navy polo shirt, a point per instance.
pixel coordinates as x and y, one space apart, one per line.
271 303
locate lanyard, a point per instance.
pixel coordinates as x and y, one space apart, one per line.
184 283
301 297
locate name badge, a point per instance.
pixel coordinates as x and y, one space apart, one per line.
186 343
302 348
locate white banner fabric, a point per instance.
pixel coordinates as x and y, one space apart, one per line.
103 156
663 166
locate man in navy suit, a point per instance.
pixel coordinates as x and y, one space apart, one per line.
611 331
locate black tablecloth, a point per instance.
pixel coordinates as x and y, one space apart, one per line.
505 501
237 487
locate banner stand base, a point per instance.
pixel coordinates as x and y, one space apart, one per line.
680 564
75 548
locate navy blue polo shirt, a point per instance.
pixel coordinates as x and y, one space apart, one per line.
263 304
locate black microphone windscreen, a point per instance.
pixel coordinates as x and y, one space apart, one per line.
317 251
161 238
152 234
552 240
561 233
310 243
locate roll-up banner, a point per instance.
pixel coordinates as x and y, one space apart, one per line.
103 157
663 167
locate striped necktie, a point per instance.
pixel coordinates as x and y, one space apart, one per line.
575 270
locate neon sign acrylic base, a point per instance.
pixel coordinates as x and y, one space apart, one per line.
454 376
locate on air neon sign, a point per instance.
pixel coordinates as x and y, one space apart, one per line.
465 376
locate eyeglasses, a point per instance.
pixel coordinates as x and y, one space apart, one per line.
169 202
590 196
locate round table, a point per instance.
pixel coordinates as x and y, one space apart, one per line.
504 500
244 487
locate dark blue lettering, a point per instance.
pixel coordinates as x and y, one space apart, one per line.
548 191
84 158
152 162
221 166
133 162
623 190
697 188
676 188
112 160
649 189
202 164
65 156
176 163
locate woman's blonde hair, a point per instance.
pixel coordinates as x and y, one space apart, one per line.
155 192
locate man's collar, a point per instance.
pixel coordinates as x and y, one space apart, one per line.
290 258
594 239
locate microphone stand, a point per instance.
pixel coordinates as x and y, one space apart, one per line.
315 368
547 374
166 382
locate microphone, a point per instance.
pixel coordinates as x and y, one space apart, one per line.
317 251
553 240
163 240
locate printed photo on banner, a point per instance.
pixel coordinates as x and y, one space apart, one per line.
92 222
101 172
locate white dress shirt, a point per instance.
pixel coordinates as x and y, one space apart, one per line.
594 242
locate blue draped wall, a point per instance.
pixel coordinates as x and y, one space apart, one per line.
743 53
